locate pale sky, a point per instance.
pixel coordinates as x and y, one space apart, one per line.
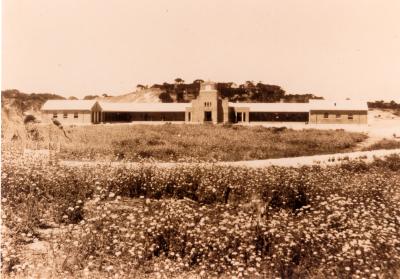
330 48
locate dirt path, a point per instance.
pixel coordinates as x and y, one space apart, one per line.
324 160
328 159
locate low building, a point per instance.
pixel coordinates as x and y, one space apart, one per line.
72 111
345 112
208 107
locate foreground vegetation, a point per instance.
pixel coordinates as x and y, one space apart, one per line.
310 222
195 142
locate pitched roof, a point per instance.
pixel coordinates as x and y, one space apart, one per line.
144 107
86 105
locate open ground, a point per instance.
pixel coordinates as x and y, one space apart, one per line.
185 219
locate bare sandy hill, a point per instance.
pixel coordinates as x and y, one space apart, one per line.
142 96
11 120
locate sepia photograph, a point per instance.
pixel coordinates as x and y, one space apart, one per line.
187 139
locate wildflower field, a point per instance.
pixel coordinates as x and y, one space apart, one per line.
202 221
193 142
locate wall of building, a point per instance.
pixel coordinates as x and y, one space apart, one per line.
338 117
207 101
223 111
72 117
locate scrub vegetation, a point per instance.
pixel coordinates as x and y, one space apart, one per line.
196 142
196 220
384 144
200 221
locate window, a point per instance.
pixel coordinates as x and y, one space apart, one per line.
326 115
350 117
189 116
75 115
55 115
338 115
65 115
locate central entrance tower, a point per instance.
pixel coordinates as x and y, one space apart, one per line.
208 107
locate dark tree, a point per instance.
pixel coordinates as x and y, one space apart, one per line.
268 93
384 105
165 98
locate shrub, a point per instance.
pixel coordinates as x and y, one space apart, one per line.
29 119
226 221
384 144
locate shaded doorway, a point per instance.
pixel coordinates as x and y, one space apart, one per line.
239 117
207 116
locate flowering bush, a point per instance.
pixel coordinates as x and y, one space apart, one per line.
339 221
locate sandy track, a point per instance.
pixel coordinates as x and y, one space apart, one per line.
323 160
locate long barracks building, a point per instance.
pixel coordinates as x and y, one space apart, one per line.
209 107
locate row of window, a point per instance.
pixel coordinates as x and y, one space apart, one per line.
349 116
65 115
207 104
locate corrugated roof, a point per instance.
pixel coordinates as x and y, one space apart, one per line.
144 107
86 105
273 107
338 105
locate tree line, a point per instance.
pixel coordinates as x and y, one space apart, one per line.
384 105
25 101
179 91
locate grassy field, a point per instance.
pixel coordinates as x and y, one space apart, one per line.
196 142
202 221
